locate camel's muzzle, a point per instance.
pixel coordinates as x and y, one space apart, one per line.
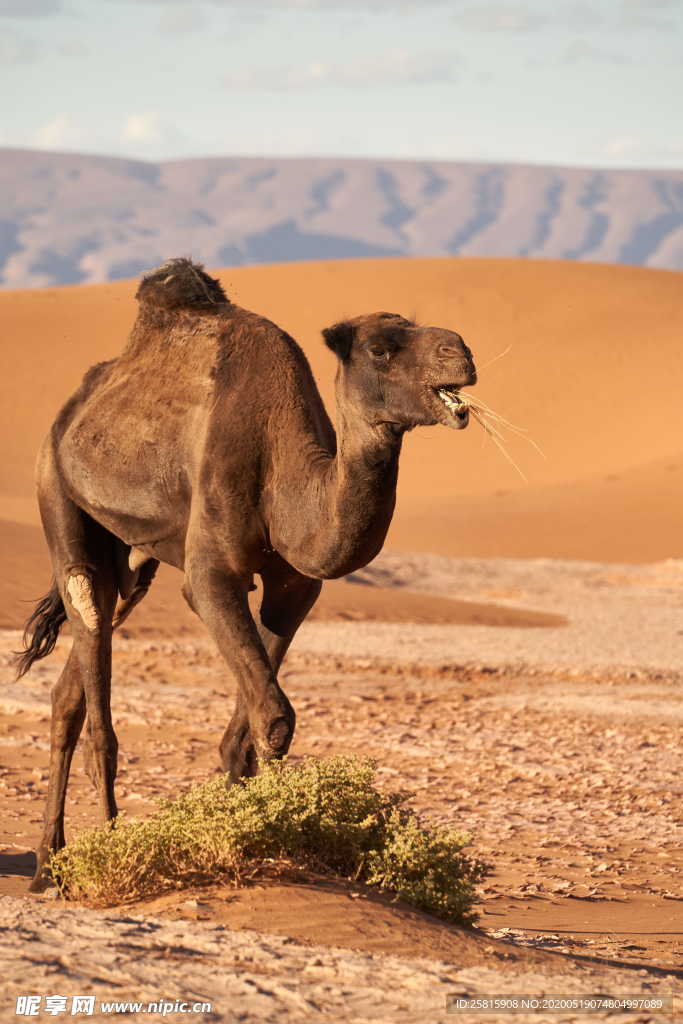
456 408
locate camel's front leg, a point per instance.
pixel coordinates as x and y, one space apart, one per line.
220 600
287 599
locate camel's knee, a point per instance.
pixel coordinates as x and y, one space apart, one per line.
81 596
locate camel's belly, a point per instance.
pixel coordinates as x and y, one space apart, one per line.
124 469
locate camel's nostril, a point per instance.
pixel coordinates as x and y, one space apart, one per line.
449 351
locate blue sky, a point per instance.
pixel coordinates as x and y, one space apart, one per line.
543 81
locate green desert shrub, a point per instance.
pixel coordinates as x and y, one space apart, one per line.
324 815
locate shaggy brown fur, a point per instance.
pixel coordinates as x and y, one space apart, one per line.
206 445
179 283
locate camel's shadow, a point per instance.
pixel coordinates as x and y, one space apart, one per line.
18 865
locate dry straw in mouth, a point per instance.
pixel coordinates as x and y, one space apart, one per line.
492 423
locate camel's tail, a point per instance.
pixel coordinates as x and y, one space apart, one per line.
41 630
49 615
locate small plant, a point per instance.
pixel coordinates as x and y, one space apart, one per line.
325 815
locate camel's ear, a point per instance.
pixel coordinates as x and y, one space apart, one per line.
339 338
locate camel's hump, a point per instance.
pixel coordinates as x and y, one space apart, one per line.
180 283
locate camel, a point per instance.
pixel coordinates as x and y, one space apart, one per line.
206 445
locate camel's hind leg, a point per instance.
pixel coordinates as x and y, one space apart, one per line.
68 712
83 560
287 599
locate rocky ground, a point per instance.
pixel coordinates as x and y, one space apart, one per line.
558 749
247 976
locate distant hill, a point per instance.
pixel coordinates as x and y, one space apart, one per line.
67 218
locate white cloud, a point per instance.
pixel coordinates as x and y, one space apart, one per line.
145 127
29 8
647 14
623 145
396 68
579 17
630 147
300 5
648 5
149 132
576 15
57 133
16 48
182 20
73 48
500 18
583 51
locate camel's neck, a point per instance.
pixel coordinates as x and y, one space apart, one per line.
337 505
366 474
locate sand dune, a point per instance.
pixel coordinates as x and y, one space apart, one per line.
592 373
26 575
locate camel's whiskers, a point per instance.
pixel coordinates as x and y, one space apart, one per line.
496 358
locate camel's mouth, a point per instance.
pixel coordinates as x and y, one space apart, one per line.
456 408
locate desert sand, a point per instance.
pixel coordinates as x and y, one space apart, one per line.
593 374
514 658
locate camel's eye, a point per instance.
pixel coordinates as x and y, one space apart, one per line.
382 351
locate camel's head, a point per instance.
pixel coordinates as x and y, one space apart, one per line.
400 374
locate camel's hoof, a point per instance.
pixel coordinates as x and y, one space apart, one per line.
279 738
40 881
